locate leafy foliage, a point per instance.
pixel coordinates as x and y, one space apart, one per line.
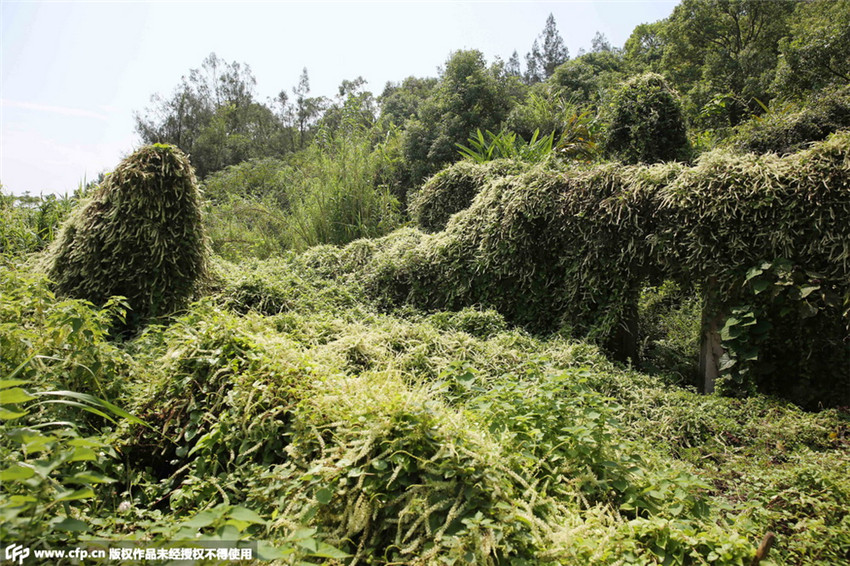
49 470
811 54
789 128
214 116
789 311
647 124
722 55
29 224
507 145
342 200
140 236
468 97
372 399
294 412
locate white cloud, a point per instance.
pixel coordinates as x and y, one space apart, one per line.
63 110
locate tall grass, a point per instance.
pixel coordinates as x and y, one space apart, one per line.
330 193
29 223
338 199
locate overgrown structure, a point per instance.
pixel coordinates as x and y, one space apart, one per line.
647 125
765 238
139 236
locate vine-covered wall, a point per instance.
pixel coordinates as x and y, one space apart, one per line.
766 238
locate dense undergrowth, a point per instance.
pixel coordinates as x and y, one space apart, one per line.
289 408
424 398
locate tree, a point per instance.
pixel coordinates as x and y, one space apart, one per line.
401 102
722 54
541 62
470 97
307 109
644 49
815 54
512 67
600 43
587 78
214 117
354 106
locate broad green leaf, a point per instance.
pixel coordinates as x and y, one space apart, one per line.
327 551
89 477
302 533
324 495
201 520
70 524
22 500
749 354
38 442
16 472
754 272
246 515
730 332
760 286
806 291
88 442
14 395
7 383
7 415
209 439
265 551
228 532
82 493
82 455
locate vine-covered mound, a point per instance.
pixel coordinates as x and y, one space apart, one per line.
139 236
453 189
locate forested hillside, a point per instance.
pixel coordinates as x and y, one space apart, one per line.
586 308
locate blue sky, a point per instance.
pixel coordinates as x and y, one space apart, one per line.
73 73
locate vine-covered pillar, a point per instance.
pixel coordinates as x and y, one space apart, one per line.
710 347
624 341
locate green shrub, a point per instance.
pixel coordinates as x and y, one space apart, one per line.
647 124
339 197
285 284
452 190
543 248
58 374
795 127
220 391
62 344
28 224
480 323
241 228
507 145
391 475
140 236
265 179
